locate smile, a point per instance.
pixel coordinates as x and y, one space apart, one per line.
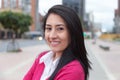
55 43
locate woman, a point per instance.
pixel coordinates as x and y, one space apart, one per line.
67 59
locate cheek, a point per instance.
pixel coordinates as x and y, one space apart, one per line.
68 36
66 39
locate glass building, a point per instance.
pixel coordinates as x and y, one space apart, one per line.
116 28
9 4
77 5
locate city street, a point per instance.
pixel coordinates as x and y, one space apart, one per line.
28 19
21 42
108 60
15 65
105 64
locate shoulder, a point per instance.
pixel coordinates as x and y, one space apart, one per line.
74 66
71 71
42 54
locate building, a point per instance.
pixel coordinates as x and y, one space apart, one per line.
77 5
117 19
88 22
25 6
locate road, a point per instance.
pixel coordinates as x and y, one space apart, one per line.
97 72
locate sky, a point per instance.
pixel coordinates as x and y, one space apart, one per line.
46 4
0 3
103 10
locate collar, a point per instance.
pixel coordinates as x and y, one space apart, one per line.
48 58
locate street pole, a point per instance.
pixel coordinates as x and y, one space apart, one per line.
92 24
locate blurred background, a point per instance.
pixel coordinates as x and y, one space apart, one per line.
21 38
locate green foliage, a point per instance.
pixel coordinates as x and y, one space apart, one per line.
18 22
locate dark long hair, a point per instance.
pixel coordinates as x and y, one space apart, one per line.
76 49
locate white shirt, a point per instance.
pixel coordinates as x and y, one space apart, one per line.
50 65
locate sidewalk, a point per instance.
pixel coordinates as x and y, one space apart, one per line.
13 66
106 65
109 60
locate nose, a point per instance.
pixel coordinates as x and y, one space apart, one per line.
53 34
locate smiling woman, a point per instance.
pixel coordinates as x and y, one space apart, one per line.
67 59
56 34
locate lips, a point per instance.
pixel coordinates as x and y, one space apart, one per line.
54 43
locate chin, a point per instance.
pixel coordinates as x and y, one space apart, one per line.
57 51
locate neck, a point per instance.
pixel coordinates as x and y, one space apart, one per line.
57 55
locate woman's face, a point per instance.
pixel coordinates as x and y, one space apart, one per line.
56 33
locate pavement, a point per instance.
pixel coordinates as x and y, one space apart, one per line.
105 64
13 66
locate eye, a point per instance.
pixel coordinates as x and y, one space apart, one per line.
48 28
60 29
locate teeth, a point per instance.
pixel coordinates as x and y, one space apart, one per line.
54 42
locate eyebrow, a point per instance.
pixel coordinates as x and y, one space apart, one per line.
47 24
60 25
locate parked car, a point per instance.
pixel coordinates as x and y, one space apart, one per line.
33 35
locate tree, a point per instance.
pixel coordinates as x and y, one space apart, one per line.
18 23
24 22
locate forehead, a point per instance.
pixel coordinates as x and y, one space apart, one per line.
54 18
54 15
